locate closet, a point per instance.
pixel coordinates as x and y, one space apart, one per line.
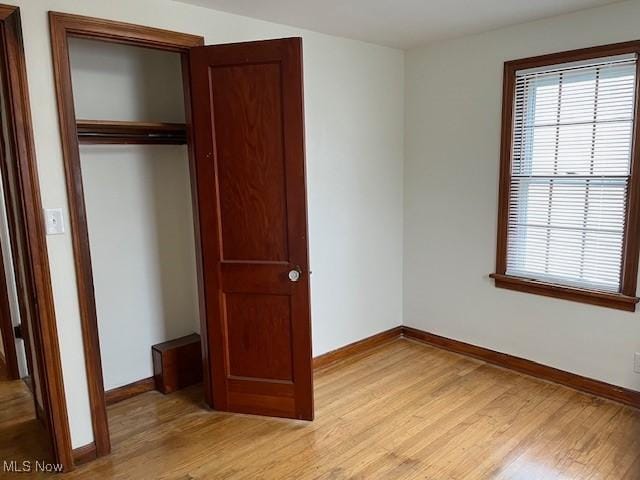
129 105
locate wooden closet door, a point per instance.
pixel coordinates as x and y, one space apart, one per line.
248 126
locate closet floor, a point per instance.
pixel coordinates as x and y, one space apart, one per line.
404 411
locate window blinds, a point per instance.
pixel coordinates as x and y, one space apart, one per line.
570 167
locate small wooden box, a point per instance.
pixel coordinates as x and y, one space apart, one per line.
177 363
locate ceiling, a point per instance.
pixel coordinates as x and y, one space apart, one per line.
399 23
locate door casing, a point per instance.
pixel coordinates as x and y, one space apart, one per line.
20 175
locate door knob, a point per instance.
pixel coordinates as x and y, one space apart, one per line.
294 275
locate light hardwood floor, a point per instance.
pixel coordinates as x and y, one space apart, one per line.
21 436
405 411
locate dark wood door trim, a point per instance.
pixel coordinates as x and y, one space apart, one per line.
62 27
17 247
27 190
17 239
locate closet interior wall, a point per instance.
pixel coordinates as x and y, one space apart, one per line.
138 201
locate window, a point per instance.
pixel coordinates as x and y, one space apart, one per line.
567 225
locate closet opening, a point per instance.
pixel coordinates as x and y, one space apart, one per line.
124 115
134 162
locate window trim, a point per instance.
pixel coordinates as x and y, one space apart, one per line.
626 299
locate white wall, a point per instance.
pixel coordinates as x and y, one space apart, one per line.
354 133
453 102
142 252
137 84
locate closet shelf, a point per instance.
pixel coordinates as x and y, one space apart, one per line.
133 133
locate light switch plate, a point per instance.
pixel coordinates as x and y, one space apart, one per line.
53 221
636 363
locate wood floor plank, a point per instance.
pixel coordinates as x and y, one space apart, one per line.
403 411
22 436
613 460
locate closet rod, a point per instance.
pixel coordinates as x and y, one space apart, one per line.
130 133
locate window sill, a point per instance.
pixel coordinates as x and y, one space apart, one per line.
603 299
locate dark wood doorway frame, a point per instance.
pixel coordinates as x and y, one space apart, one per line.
64 26
30 257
